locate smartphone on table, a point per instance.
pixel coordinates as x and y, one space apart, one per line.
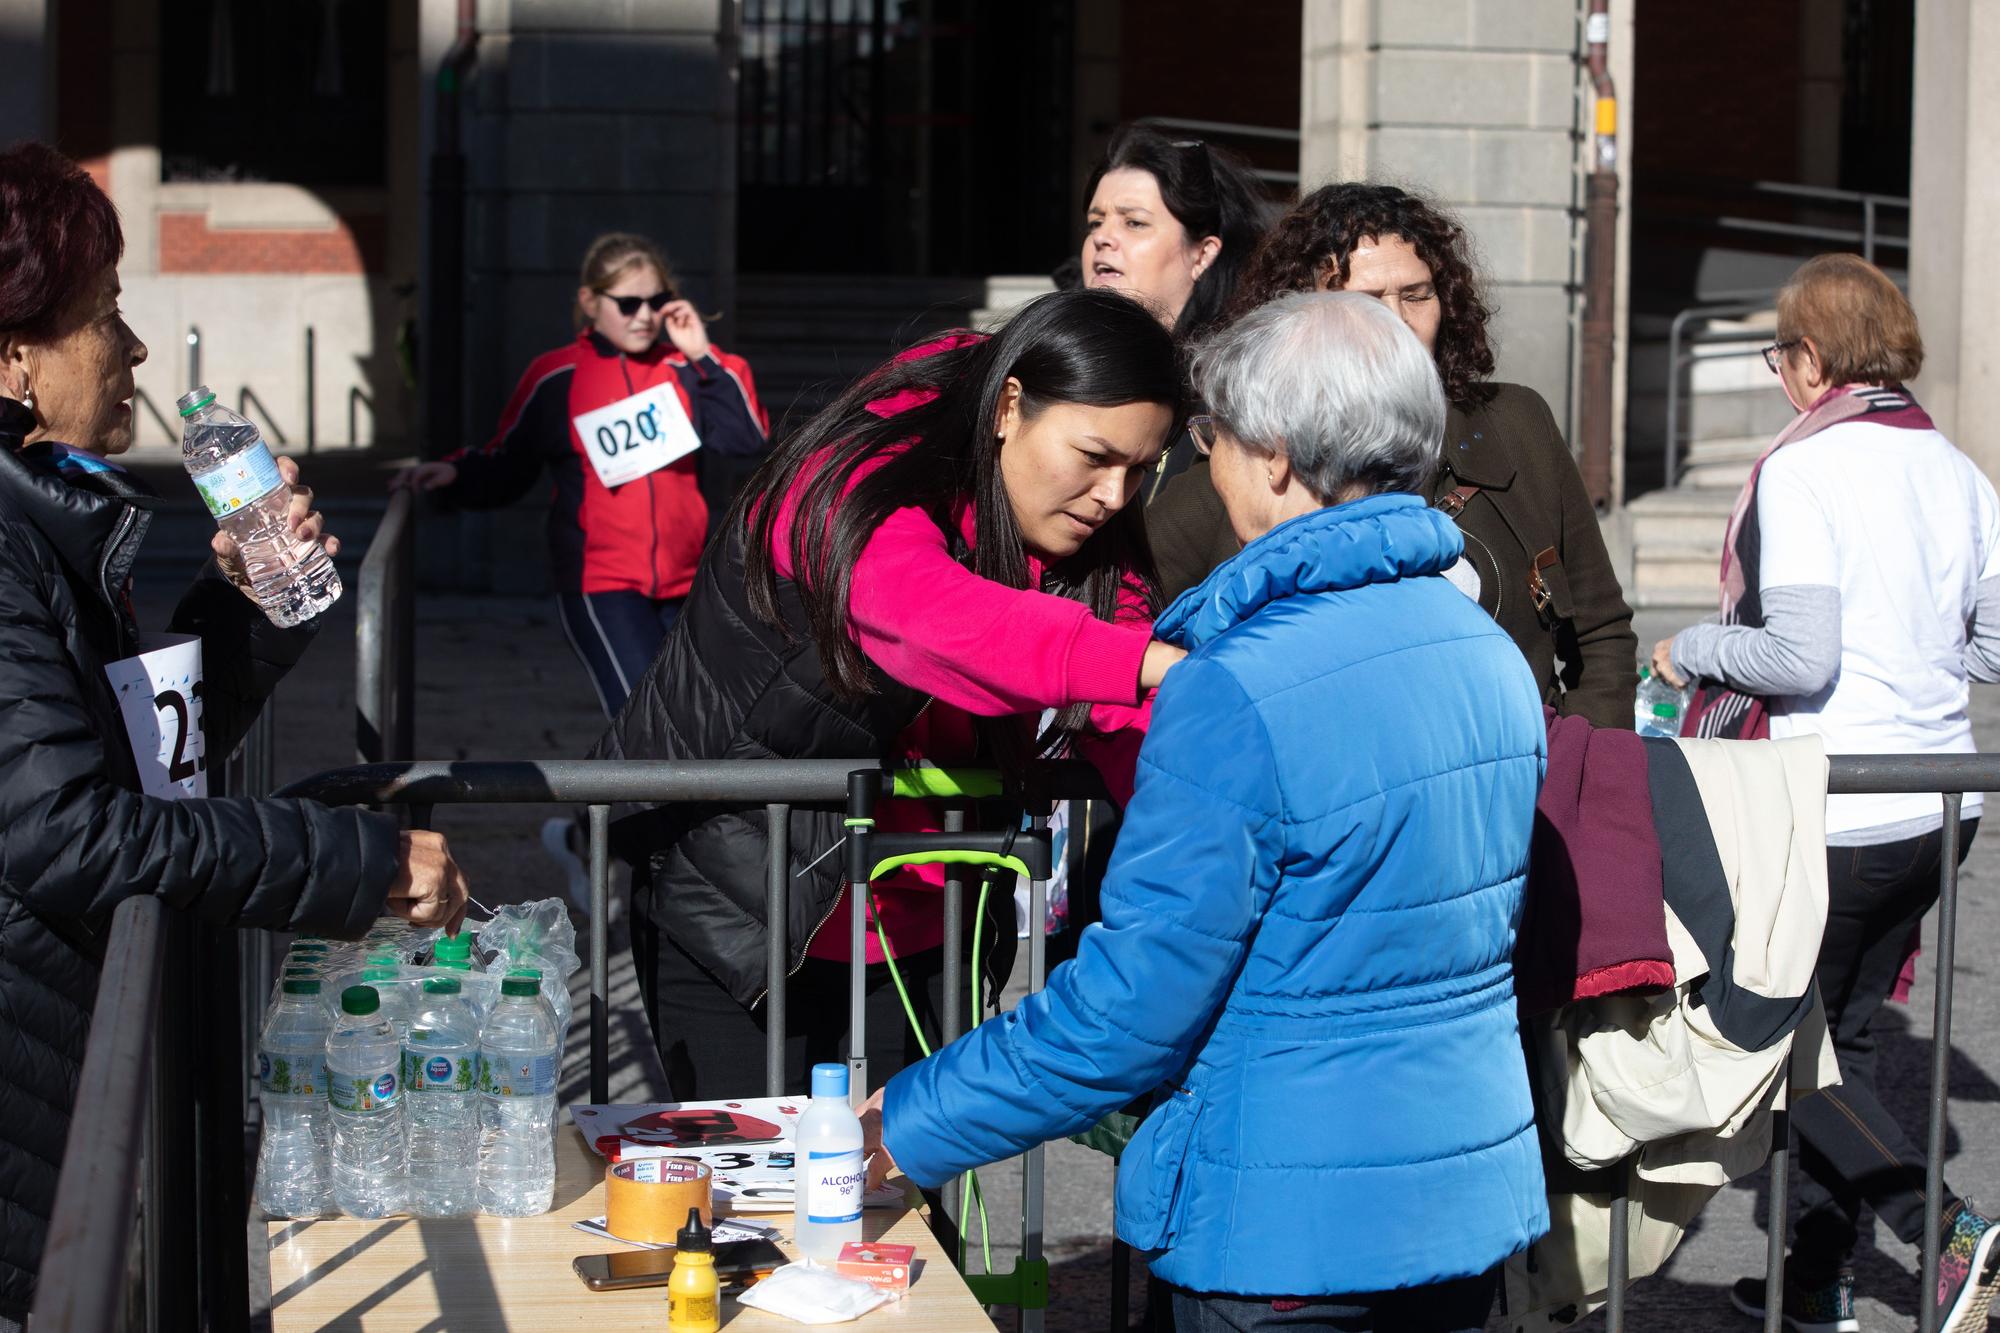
738 1263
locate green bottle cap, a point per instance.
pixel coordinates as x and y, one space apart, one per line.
301 985
452 946
533 974
378 974
359 1001
1666 710
517 986
441 986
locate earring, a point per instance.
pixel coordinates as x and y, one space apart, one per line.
28 398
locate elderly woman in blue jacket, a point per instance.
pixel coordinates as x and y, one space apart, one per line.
1308 922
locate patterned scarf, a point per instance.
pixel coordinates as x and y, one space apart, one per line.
1890 406
1717 711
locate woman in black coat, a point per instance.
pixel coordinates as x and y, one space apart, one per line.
77 835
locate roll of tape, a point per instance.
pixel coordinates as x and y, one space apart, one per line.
649 1200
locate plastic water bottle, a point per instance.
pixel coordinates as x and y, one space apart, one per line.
1657 707
365 1093
238 480
517 1094
292 1166
828 1178
440 1059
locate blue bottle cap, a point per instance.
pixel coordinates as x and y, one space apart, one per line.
830 1081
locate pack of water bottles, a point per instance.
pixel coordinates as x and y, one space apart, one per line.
412 1071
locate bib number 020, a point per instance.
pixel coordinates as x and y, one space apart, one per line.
636 436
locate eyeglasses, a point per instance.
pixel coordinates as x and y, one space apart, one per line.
1202 428
628 306
1777 350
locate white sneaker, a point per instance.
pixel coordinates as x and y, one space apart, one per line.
555 841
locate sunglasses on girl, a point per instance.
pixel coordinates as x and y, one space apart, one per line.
628 306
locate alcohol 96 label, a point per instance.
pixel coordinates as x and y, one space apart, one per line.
834 1183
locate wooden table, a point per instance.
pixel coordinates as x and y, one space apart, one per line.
403 1274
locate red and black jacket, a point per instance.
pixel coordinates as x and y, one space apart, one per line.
645 536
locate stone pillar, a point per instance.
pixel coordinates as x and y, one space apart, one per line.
27 59
1474 102
1954 216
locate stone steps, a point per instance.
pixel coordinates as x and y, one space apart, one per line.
1676 540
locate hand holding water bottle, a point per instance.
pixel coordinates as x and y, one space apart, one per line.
249 495
307 525
1663 664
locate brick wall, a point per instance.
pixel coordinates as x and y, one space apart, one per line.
189 245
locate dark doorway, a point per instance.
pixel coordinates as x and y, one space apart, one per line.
919 137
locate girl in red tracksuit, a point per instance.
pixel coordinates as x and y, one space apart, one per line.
647 438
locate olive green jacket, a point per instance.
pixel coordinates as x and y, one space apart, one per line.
1573 626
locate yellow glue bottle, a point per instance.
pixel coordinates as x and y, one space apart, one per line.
694 1296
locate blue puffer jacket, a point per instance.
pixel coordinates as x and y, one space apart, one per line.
1307 931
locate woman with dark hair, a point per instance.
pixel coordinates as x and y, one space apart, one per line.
1534 557
80 830
940 558
1171 223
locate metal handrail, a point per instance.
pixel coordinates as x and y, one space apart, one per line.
245 396
80 1288
1276 133
1848 775
1676 359
1230 130
385 663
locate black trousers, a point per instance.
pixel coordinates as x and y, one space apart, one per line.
713 1048
1852 1151
1460 1306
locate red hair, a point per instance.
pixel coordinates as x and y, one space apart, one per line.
57 232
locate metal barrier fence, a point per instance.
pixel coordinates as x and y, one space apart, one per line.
1851 775
385 638
140 1099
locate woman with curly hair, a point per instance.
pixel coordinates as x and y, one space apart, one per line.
1534 558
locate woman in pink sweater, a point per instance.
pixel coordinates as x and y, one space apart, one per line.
953 571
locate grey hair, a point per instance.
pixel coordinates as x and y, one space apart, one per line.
1337 383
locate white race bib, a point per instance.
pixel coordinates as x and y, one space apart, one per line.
159 696
637 436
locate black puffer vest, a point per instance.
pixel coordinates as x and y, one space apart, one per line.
728 686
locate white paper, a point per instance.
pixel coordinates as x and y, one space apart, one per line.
636 436
747 1144
159 698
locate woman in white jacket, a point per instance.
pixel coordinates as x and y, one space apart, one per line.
1861 594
